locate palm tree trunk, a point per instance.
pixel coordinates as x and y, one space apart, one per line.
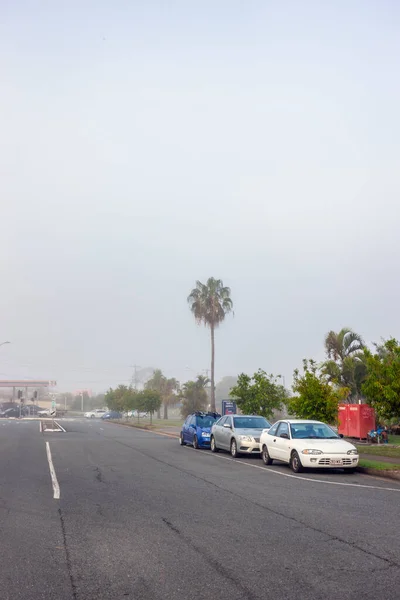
165 411
212 369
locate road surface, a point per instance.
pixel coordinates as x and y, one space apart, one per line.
138 517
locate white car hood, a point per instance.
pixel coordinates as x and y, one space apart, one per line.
336 446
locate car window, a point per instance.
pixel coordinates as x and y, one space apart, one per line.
283 428
251 423
273 429
312 431
222 421
204 421
192 420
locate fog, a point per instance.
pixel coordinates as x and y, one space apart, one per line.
145 145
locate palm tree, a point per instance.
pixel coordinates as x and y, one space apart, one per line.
345 365
194 395
210 303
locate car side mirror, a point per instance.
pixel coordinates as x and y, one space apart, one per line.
284 436
341 435
227 426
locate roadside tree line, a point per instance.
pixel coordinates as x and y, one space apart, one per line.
351 373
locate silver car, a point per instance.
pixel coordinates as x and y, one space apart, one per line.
238 434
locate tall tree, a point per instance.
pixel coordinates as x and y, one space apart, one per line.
165 387
316 397
260 394
346 362
194 395
210 303
382 383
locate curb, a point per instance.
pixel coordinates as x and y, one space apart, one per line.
380 473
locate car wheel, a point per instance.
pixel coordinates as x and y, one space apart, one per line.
295 462
92 416
234 451
181 442
195 442
213 444
267 460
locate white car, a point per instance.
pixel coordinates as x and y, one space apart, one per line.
93 414
43 413
307 444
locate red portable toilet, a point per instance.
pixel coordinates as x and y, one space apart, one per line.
355 420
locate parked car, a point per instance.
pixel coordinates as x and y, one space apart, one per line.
95 414
196 429
238 434
111 414
303 443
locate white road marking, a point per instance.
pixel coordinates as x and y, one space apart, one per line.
267 470
56 487
60 426
101 429
40 427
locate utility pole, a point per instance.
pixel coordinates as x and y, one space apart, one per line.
134 380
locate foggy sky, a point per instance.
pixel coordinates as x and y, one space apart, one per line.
145 145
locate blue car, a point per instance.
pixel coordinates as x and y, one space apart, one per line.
111 414
196 429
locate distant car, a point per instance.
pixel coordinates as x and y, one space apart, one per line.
111 414
95 414
196 429
311 444
13 412
238 434
45 412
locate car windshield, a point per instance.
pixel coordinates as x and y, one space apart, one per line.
205 421
317 431
251 423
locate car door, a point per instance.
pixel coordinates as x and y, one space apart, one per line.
186 429
217 433
191 429
282 442
270 440
226 433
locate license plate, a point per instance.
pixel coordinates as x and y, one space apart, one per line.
336 461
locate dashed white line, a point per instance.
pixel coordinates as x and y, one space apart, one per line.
56 487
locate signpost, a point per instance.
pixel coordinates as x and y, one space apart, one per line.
228 407
53 411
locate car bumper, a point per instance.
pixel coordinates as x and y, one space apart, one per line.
325 461
204 442
248 447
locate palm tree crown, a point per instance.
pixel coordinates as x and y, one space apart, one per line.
210 302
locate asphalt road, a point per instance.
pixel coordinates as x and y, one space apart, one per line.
141 518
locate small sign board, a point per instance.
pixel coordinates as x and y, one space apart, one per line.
53 412
228 407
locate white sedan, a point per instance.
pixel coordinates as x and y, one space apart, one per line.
95 414
307 444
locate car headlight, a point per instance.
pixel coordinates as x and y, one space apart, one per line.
245 438
205 434
311 451
352 451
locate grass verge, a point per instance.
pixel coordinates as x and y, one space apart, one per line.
380 450
378 465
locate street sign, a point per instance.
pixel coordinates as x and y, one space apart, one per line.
228 407
53 413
